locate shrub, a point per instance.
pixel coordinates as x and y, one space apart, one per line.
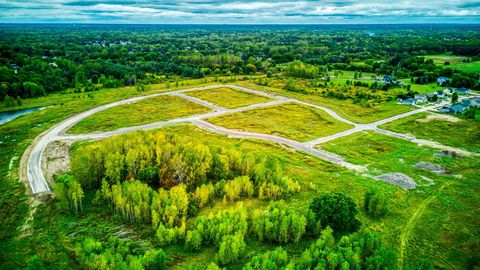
375 203
336 211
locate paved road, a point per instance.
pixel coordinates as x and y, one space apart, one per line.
38 183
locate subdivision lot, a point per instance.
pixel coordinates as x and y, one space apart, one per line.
345 108
229 98
145 111
385 154
444 210
293 121
445 129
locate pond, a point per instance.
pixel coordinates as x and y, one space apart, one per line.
9 116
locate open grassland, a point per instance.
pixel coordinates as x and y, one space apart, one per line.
456 62
464 133
440 59
384 154
443 224
229 98
345 108
142 112
293 121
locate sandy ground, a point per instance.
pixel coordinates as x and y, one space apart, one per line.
439 117
56 159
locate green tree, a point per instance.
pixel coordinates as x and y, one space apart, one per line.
155 260
375 203
336 211
454 98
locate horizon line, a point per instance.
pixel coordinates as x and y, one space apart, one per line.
253 24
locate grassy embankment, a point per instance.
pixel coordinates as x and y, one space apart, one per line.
293 121
229 98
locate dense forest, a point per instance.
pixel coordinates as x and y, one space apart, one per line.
40 59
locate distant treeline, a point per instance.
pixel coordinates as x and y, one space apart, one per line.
39 59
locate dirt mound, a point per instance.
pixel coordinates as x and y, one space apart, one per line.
450 154
431 167
398 179
439 117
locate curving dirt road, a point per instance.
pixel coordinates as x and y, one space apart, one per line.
38 183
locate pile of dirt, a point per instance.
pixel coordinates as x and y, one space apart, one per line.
450 154
398 179
431 167
439 117
56 159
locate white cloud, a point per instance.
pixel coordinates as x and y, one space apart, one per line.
239 11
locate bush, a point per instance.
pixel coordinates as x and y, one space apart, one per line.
375 203
336 211
231 248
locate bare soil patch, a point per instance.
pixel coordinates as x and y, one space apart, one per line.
439 117
56 159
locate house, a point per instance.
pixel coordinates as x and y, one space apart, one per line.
457 108
408 101
440 93
421 98
462 91
448 91
387 79
431 96
444 109
443 80
473 102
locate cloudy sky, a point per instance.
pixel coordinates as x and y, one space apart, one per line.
240 11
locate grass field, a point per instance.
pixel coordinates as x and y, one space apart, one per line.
345 108
439 227
465 133
456 62
293 121
145 111
384 154
228 98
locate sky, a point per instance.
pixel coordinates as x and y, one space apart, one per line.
240 11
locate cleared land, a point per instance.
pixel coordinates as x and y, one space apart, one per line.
228 98
293 121
455 61
345 108
464 133
146 111
384 154
438 210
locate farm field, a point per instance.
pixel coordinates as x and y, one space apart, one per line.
142 112
293 121
451 131
228 98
